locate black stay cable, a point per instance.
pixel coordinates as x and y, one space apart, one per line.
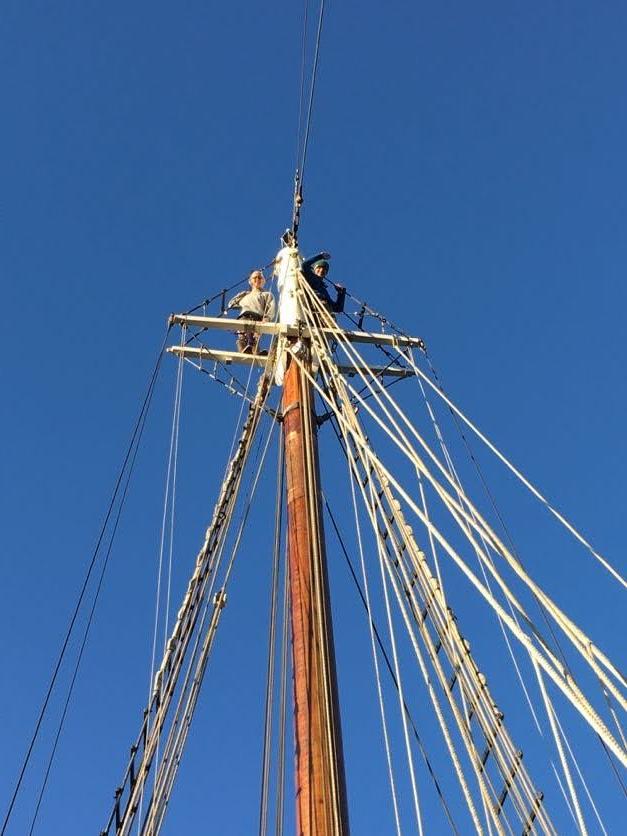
367 310
515 552
302 84
128 456
215 296
274 592
224 291
312 89
280 767
301 156
385 655
380 641
92 611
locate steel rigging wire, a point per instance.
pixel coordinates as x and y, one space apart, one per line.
381 646
492 447
322 354
314 75
564 622
85 634
362 480
437 385
280 770
302 146
130 456
443 542
302 86
515 551
179 730
169 498
221 294
486 552
199 591
270 673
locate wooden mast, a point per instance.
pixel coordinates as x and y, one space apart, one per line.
321 808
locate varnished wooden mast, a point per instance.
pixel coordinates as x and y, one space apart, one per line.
321 808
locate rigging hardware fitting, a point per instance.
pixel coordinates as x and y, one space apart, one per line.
219 599
298 202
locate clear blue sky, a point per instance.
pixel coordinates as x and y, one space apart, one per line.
467 171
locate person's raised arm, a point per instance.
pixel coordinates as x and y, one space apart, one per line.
234 303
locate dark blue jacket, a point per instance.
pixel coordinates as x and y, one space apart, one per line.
318 286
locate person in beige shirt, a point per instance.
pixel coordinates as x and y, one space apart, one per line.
256 304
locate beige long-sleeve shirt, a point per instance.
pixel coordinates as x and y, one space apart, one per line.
260 302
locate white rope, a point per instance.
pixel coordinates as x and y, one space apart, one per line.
566 798
563 680
433 657
164 777
569 628
207 560
461 497
177 420
464 728
375 659
457 660
485 785
241 410
397 672
612 711
510 649
487 583
580 773
580 640
249 501
512 755
432 694
458 664
174 741
434 552
173 507
173 438
558 742
520 476
173 443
